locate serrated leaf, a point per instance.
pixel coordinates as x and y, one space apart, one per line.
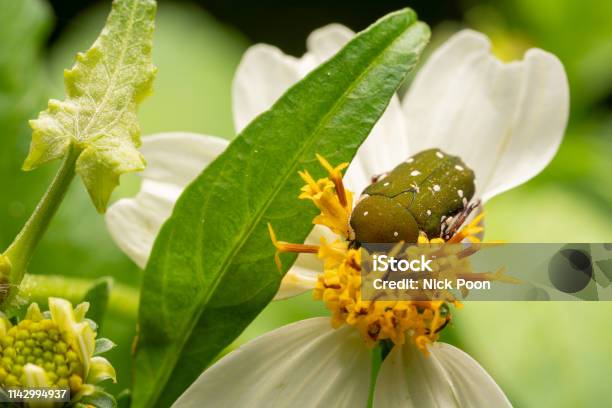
103 90
212 267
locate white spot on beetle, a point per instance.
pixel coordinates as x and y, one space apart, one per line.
428 212
365 213
395 234
380 177
460 193
436 187
439 154
460 168
386 184
415 173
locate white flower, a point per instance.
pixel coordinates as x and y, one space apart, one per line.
312 365
505 121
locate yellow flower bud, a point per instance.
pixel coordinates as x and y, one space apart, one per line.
51 352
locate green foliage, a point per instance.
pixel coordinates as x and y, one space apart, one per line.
97 296
103 91
98 399
195 93
585 48
23 29
212 270
124 399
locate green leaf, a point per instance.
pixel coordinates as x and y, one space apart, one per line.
103 345
124 399
97 296
212 267
103 90
98 399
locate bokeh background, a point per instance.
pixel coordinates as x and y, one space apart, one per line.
544 354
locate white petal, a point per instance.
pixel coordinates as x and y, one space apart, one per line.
173 160
302 276
474 387
297 281
263 75
448 377
385 147
178 157
133 223
323 43
306 363
505 120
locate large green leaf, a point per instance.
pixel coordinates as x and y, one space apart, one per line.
212 270
103 90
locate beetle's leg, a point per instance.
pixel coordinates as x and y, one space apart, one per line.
443 325
450 229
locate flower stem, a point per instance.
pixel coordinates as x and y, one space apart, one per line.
19 253
123 300
377 359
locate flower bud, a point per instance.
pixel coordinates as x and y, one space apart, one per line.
51 350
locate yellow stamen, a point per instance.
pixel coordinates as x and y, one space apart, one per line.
339 287
330 196
335 174
282 247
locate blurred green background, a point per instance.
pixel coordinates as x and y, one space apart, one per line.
541 354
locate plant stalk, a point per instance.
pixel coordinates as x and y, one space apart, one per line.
19 253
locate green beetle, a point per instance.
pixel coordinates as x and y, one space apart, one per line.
430 192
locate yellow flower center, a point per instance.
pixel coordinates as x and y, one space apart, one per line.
39 343
340 288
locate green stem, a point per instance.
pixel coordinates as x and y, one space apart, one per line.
376 362
379 353
123 300
21 250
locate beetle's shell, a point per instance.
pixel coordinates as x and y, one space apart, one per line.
430 185
379 219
